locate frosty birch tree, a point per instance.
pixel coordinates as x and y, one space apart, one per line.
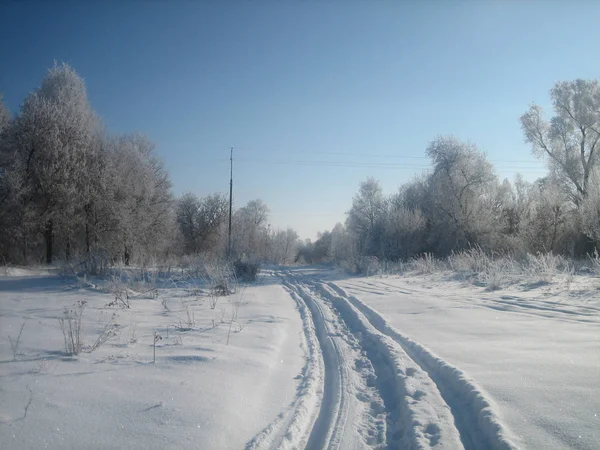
571 138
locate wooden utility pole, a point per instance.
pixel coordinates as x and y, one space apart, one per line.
230 201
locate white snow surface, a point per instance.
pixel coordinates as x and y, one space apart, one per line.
533 350
316 359
202 394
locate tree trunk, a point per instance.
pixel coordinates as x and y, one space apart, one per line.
126 256
25 250
48 237
87 238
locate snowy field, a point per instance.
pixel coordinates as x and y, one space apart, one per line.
305 358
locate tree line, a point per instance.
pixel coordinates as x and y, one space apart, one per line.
461 203
72 191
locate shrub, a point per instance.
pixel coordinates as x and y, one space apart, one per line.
218 276
246 270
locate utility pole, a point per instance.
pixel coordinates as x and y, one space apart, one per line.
230 201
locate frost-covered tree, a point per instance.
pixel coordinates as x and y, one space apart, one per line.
366 218
141 210
186 211
405 233
322 247
550 223
4 115
462 196
251 230
341 243
571 138
67 188
10 217
213 215
201 221
284 245
590 210
51 138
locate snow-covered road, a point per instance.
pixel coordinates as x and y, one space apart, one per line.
316 360
426 403
451 365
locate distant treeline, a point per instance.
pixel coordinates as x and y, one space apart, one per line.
70 190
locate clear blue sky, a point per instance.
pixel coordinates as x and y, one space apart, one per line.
291 83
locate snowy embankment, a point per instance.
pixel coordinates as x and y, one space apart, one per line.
215 383
527 357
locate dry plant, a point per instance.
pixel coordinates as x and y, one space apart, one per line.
14 345
235 306
189 321
425 264
109 330
157 337
119 290
70 325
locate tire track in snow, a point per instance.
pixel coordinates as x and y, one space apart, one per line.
474 415
290 430
343 397
417 416
330 421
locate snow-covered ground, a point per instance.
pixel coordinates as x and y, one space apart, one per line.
200 393
533 350
314 359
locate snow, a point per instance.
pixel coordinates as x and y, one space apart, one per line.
533 349
316 359
202 393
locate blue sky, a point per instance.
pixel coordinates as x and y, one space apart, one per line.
361 87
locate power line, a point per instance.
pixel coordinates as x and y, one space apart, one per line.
390 155
372 165
524 164
397 167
